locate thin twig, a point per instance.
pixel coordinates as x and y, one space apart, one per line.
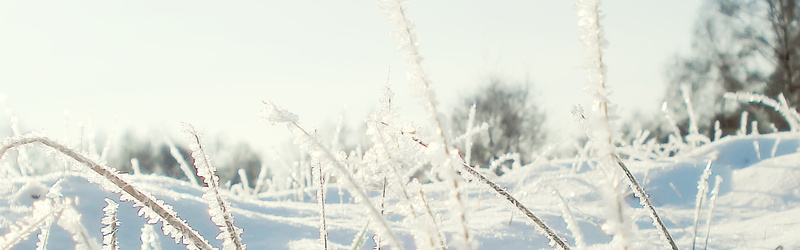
645 200
547 231
191 237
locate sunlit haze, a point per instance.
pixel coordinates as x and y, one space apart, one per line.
148 66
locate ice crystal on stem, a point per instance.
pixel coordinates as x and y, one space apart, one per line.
602 133
275 114
441 155
111 222
43 213
218 207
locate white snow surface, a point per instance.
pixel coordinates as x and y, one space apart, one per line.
757 207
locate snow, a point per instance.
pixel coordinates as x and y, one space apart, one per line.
757 206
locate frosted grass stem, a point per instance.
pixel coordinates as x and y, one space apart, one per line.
182 230
781 106
359 193
218 207
644 200
176 154
408 46
713 203
323 229
112 225
572 225
275 114
591 35
702 192
555 240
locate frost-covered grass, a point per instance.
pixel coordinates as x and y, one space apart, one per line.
756 206
409 187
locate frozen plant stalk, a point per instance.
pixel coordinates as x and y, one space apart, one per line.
43 212
591 35
714 193
443 155
323 230
111 222
702 192
110 179
70 221
275 114
218 207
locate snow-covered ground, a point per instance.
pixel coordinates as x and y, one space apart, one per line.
757 206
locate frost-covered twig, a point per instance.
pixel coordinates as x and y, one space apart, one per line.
644 200
323 230
673 125
384 156
702 192
217 205
408 46
694 138
439 236
111 180
602 136
781 106
44 234
275 114
540 224
591 35
572 225
498 163
261 180
471 131
686 93
245 182
182 162
70 221
713 203
43 211
23 160
111 222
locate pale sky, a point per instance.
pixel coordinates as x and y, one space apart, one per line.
149 65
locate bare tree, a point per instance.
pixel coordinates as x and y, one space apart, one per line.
515 124
739 45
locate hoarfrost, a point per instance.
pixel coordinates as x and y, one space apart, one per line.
70 221
43 212
111 222
275 114
218 207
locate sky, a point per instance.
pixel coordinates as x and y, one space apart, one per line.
147 66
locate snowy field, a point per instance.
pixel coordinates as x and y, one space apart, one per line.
756 208
410 188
